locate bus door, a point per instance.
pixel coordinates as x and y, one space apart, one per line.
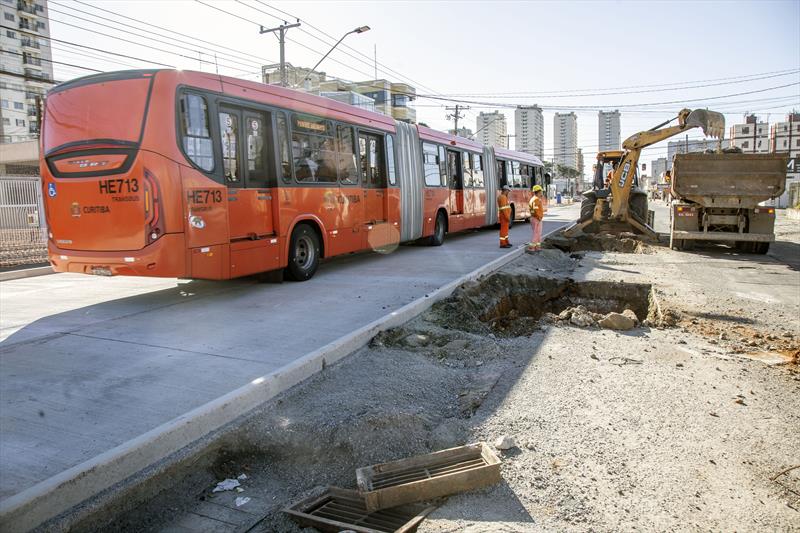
244 158
244 140
456 183
373 177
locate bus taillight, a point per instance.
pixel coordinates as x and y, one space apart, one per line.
153 216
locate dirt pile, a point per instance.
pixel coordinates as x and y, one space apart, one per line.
627 243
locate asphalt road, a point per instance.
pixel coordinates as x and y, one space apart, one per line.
89 363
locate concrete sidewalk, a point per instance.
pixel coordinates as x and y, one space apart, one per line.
89 364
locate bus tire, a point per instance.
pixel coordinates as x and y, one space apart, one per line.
761 248
304 253
439 230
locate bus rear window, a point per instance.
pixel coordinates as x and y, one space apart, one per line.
112 110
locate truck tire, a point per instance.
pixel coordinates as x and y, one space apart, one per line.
587 205
304 253
761 248
638 204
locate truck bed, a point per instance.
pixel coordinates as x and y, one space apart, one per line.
728 180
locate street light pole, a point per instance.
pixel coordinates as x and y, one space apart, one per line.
281 39
360 29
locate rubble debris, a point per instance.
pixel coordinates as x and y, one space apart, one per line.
416 340
227 484
505 442
617 321
337 510
425 477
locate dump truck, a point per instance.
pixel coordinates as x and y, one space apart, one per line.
716 197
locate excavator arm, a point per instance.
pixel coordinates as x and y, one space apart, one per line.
712 123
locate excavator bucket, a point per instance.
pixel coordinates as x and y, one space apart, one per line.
712 123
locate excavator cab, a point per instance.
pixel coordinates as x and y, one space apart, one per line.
616 204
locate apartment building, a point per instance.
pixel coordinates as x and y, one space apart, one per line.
565 137
529 130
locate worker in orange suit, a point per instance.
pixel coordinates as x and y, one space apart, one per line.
537 214
504 216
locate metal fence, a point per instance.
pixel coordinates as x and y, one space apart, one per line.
23 231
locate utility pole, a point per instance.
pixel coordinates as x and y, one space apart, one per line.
281 34
456 115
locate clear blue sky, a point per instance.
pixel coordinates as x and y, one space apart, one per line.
492 50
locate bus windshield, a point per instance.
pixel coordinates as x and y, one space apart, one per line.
111 110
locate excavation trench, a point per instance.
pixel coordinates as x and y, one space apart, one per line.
514 305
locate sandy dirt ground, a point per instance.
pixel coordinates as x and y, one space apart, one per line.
689 421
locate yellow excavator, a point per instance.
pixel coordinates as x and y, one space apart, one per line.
617 205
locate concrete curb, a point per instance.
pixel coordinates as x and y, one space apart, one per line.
52 497
26 273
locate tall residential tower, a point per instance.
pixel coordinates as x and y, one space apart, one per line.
529 130
565 139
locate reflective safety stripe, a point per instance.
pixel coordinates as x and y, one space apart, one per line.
503 238
505 207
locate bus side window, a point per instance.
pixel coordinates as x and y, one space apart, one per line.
430 163
442 166
390 159
477 170
196 131
370 150
229 129
515 174
348 169
283 149
467 169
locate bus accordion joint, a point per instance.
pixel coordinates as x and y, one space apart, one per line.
154 225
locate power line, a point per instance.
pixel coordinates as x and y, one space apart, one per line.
196 49
53 39
51 61
214 46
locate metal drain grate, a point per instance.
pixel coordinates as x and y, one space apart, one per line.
340 509
427 477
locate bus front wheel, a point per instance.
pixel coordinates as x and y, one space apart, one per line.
304 253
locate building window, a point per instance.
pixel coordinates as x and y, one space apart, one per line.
6 121
745 130
4 104
10 34
21 122
196 133
746 144
19 105
40 25
9 16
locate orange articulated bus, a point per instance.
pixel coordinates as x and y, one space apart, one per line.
193 175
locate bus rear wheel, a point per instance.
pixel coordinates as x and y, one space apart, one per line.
304 253
439 230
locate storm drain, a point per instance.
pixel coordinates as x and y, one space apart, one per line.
340 509
426 477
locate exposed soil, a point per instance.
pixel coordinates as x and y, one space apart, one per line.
655 428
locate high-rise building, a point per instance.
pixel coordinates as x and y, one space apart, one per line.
491 129
752 137
26 71
529 130
608 130
657 168
565 137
